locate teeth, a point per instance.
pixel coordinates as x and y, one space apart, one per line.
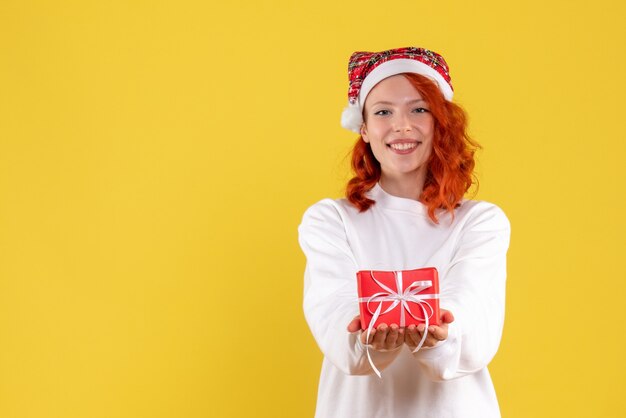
404 146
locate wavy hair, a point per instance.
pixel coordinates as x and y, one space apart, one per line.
450 166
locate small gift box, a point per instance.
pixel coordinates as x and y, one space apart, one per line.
398 297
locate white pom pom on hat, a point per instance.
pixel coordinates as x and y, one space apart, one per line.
366 69
352 117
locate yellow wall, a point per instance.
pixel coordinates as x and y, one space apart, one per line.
156 158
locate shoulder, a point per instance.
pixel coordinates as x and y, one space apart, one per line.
481 215
482 229
328 210
324 228
327 219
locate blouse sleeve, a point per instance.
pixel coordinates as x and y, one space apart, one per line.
473 288
330 291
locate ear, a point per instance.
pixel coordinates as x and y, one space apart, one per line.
363 131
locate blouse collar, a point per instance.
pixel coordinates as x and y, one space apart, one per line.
388 201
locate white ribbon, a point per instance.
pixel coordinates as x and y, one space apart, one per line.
399 297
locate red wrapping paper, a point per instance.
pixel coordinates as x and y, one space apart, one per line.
367 288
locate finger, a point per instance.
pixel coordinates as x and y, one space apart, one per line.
381 335
392 336
416 335
438 333
446 317
364 339
411 337
355 324
430 341
401 334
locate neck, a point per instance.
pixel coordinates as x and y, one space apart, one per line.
408 186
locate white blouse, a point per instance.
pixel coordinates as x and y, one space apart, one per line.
469 252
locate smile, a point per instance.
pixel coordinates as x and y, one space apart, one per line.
403 147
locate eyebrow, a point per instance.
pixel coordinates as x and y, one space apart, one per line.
389 103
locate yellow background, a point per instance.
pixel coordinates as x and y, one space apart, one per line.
156 158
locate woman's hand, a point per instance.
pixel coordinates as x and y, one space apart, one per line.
435 333
382 338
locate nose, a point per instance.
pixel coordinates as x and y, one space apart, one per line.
402 122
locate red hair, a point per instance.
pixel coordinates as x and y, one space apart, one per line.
450 166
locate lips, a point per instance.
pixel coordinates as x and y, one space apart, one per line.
403 146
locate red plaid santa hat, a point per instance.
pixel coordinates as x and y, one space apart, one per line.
366 69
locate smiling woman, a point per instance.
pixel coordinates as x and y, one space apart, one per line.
405 210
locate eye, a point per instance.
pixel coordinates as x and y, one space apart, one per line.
382 112
420 110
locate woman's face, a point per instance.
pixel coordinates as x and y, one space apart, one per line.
399 127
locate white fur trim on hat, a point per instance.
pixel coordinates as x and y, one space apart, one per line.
399 66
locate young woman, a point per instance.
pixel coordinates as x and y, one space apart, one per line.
404 209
